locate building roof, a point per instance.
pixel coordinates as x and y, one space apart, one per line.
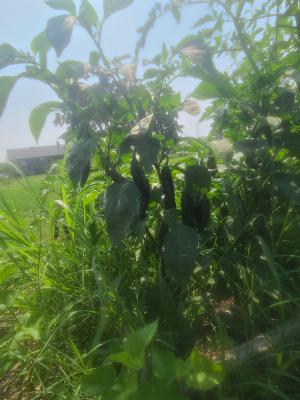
35 152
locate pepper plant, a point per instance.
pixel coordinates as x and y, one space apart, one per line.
213 216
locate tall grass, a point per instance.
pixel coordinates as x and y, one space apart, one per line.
68 298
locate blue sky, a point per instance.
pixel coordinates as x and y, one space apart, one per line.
21 20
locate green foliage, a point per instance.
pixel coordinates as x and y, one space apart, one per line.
67 5
133 354
6 85
39 116
7 55
59 32
88 15
78 160
199 235
112 6
180 252
121 204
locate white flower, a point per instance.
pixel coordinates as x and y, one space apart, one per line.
222 146
273 121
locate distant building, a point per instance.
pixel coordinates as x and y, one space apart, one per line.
36 160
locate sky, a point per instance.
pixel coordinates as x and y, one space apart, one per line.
22 20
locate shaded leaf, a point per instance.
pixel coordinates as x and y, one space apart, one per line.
39 116
197 177
168 187
67 5
157 391
121 203
146 147
287 186
112 6
101 379
180 252
290 141
7 55
6 85
78 158
59 32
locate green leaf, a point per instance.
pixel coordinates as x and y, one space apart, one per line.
87 14
59 32
133 354
164 365
101 379
197 177
67 5
176 12
78 159
6 85
7 55
180 252
287 186
157 391
146 147
121 203
112 6
290 141
125 385
39 116
204 373
94 58
169 101
72 70
137 342
207 90
41 45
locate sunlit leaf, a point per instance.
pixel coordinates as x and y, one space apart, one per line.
133 354
112 6
87 14
207 90
99 380
41 45
39 116
204 373
67 5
